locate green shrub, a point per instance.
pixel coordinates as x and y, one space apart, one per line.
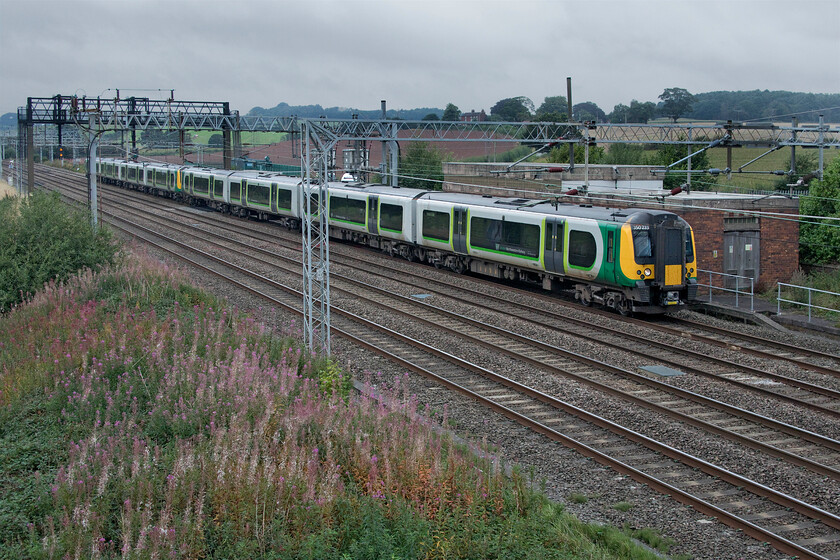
42 239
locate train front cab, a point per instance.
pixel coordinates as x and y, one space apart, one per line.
657 254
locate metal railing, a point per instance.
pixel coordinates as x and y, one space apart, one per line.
737 290
809 305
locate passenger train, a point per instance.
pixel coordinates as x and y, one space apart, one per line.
630 260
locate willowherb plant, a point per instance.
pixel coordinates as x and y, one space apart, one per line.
200 427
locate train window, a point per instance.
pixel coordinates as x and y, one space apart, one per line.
347 210
485 233
504 236
610 248
284 199
582 249
235 189
642 242
201 185
674 246
391 217
689 247
160 178
436 225
259 194
521 239
550 237
218 188
132 173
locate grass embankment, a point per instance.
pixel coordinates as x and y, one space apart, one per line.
139 418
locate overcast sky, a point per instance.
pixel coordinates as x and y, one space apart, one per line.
423 53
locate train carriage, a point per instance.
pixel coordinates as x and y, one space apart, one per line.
391 216
632 260
378 216
199 183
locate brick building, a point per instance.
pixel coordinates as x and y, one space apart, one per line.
730 235
474 116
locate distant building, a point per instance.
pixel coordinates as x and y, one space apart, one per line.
472 116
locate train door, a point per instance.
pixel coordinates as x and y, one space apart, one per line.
610 268
373 214
553 253
671 252
459 229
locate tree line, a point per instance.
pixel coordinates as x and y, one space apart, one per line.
674 103
678 103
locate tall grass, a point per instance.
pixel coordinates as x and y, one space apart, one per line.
825 279
139 418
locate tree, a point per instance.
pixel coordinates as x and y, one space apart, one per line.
154 137
669 153
451 113
640 112
622 153
819 238
216 141
619 114
554 131
806 171
421 167
513 109
560 154
588 111
431 117
554 104
676 102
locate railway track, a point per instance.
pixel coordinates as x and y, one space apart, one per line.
670 471
786 388
637 389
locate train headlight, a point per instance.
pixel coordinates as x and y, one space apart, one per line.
647 272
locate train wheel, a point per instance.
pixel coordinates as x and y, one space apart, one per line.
584 296
624 308
458 267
